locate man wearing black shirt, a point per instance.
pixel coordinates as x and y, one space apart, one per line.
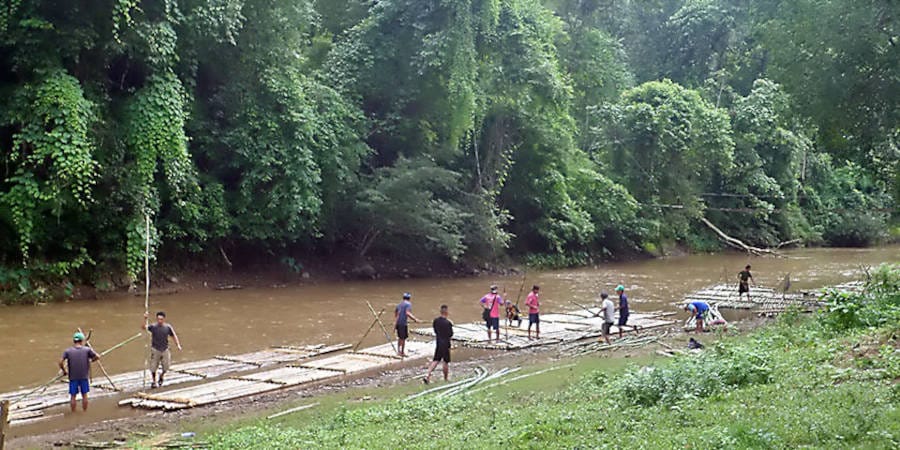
443 331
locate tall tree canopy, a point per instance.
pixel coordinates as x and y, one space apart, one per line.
459 130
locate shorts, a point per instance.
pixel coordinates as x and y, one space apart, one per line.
623 319
158 358
442 352
534 318
743 287
493 322
402 331
79 385
701 315
606 326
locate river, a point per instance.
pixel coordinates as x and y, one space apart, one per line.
213 322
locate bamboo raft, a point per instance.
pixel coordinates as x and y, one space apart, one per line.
57 394
556 328
762 299
316 370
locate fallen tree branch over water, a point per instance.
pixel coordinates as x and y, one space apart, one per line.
740 245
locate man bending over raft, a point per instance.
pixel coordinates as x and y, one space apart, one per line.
699 309
159 346
490 304
402 314
76 363
443 331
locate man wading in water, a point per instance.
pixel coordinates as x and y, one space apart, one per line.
159 346
443 331
745 278
402 313
76 363
491 312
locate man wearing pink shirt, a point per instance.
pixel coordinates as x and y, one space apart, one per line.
534 304
491 312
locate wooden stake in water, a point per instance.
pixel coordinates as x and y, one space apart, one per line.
147 299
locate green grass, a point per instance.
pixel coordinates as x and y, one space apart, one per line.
802 383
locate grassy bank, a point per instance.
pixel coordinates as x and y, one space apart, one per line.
829 381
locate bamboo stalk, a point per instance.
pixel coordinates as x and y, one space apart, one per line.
383 329
147 298
87 342
292 410
374 322
4 422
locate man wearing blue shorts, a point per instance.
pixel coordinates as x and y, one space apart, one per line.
76 363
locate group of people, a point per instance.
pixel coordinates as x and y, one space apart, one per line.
608 312
76 360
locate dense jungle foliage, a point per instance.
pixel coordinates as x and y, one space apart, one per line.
453 129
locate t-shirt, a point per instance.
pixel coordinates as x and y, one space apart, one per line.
160 333
401 310
623 305
533 303
700 307
79 361
497 301
443 330
609 311
745 275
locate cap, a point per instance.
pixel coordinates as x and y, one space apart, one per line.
78 337
620 288
493 288
406 296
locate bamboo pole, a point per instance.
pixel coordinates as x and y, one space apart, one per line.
374 322
383 329
292 410
87 342
146 299
4 421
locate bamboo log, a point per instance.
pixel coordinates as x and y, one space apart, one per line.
4 422
292 410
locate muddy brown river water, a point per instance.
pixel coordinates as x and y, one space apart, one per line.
213 322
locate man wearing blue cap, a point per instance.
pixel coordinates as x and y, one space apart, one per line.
402 313
624 311
76 363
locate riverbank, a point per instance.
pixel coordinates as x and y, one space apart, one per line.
832 381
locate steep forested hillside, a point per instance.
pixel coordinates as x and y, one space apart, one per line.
451 129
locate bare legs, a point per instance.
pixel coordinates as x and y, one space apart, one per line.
73 403
401 347
431 367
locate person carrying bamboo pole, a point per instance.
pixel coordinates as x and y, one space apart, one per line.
159 347
533 302
443 331
490 305
76 363
402 314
